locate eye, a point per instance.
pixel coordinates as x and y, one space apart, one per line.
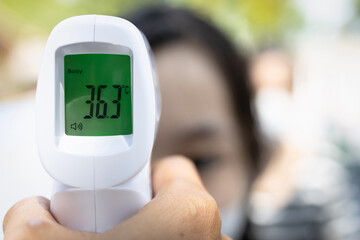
205 163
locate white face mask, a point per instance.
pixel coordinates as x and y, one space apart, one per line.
275 111
233 219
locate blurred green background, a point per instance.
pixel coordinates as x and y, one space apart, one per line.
250 21
251 24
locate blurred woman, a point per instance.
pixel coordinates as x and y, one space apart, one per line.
206 113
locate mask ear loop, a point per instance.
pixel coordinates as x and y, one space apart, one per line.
234 218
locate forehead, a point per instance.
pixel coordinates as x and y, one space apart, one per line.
194 91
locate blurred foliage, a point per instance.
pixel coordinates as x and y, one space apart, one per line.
47 13
357 6
253 22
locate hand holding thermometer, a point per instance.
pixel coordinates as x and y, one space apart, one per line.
97 113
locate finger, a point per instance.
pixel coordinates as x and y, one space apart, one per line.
31 219
166 170
181 208
223 237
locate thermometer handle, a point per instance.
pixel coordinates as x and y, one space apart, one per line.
98 210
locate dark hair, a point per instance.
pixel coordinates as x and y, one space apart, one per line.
162 25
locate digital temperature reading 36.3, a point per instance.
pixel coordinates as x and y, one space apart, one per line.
98 98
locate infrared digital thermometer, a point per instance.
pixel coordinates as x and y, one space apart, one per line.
97 114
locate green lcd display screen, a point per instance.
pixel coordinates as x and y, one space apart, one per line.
97 89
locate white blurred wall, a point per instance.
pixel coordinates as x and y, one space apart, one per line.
21 173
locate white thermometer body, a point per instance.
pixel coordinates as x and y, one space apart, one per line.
97 113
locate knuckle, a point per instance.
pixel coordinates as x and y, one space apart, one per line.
201 213
32 229
16 224
36 228
15 213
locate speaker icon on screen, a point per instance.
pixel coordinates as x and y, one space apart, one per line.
74 126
